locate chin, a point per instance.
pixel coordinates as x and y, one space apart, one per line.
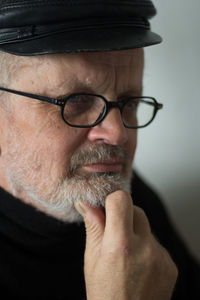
59 201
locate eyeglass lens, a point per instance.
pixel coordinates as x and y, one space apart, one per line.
85 110
138 112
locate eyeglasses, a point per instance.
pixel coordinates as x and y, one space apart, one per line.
88 110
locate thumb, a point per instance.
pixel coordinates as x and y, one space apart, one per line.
94 220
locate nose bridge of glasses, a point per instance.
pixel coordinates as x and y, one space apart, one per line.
115 104
110 105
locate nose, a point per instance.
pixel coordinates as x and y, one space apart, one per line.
111 130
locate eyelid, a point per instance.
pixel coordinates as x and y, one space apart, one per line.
63 97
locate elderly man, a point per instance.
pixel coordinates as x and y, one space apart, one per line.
70 108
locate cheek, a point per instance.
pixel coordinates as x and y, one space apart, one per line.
47 140
59 146
45 131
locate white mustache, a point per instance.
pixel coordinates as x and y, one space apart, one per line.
95 154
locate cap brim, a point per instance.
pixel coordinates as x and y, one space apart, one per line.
93 40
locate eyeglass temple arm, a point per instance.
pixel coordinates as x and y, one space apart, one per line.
33 96
158 105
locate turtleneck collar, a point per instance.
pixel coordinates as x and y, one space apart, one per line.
33 220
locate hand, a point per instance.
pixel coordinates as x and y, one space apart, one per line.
123 260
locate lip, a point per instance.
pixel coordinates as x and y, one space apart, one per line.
104 166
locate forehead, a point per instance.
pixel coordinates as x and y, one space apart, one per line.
113 58
92 70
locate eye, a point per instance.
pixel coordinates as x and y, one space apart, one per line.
132 103
81 103
83 109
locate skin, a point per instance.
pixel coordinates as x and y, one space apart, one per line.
114 75
122 258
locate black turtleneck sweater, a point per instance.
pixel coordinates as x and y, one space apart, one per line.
42 258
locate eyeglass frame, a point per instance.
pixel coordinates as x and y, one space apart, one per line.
108 105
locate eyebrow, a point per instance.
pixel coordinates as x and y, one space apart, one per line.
81 88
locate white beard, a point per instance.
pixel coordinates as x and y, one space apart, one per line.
56 196
59 201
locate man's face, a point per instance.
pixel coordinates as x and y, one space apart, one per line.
49 164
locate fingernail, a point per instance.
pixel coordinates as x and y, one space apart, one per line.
80 207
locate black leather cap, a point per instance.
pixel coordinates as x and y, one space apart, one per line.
33 27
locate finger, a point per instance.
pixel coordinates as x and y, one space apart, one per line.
119 216
141 224
94 219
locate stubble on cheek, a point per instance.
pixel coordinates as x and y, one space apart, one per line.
53 185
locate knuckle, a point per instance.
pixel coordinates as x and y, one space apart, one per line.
122 248
125 248
150 254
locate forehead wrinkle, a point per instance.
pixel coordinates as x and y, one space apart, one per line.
101 70
90 78
76 76
87 71
124 71
103 81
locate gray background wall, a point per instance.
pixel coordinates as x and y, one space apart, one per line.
168 153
